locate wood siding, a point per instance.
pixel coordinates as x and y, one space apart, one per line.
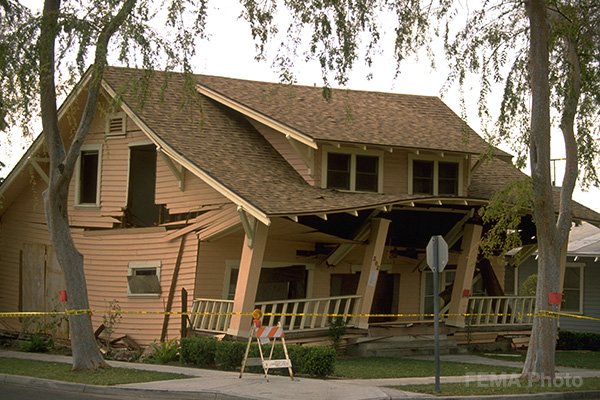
196 194
112 251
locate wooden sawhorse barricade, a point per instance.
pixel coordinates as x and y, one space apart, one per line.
264 335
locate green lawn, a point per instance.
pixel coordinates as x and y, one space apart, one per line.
503 387
384 367
571 358
63 372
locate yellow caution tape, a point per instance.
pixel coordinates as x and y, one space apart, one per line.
542 313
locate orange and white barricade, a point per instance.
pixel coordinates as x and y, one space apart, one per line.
266 335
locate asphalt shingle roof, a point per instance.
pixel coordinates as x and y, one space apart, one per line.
223 144
388 119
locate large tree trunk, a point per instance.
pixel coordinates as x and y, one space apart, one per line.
540 355
86 354
552 234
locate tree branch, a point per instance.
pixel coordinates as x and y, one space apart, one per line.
97 71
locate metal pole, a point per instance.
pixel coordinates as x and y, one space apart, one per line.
436 319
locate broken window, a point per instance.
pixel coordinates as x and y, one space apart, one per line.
141 209
143 278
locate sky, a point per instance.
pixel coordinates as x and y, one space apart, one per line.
229 51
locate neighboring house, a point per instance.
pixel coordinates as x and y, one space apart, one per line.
581 297
252 194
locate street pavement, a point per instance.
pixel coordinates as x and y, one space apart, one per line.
223 385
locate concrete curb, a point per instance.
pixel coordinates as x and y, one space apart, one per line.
129 393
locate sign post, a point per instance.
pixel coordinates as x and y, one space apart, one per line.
437 258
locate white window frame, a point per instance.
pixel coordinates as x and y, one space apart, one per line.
581 267
352 152
436 160
235 264
135 265
88 147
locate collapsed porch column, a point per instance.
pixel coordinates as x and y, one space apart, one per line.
463 280
370 267
249 273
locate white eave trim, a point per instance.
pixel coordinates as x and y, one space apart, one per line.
257 116
167 150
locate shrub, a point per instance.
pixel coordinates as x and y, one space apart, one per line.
198 351
568 340
164 352
229 355
37 344
318 361
337 329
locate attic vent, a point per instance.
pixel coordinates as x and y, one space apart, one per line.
115 124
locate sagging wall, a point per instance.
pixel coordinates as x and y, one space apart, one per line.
108 255
107 250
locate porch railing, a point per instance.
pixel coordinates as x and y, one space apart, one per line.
309 314
500 310
213 315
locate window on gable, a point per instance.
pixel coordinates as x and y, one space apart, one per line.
143 278
353 171
88 179
367 173
447 178
573 289
423 177
435 177
338 171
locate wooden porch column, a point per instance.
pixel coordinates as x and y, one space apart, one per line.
370 267
463 280
247 283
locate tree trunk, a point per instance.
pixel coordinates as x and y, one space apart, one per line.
86 354
539 363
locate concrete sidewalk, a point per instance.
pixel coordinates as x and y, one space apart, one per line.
212 384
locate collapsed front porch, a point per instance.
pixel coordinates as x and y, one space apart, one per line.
490 319
363 268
